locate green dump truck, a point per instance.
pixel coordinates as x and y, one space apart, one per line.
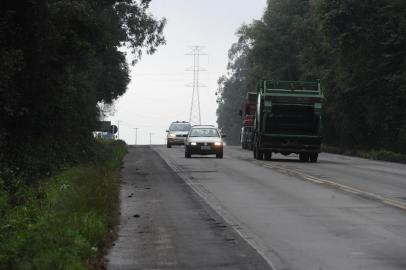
288 119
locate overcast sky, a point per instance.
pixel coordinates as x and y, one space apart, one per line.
158 93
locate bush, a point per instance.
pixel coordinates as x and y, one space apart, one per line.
384 155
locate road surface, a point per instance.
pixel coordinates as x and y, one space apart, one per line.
165 225
340 213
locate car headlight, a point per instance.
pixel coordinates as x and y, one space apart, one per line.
172 135
193 143
218 143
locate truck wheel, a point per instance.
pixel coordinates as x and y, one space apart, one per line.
303 157
313 157
268 156
260 154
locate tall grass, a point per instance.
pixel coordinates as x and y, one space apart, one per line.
64 222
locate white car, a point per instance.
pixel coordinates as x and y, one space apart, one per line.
177 133
204 140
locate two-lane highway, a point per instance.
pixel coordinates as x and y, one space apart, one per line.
340 213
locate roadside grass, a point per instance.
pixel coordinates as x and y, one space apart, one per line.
383 155
66 221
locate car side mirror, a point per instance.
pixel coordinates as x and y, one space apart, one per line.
223 135
167 130
240 113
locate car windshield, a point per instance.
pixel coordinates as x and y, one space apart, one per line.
180 127
204 132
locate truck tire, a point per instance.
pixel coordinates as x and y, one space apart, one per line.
313 157
268 156
304 157
260 154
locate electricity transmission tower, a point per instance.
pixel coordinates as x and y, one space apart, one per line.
195 117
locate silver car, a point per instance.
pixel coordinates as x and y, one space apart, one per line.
204 140
177 133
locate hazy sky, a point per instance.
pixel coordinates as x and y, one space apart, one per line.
158 93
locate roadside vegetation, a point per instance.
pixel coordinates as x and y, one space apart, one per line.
66 220
383 155
356 48
61 63
59 60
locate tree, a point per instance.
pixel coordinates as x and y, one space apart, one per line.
58 60
357 50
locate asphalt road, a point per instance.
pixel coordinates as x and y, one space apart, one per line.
340 213
165 225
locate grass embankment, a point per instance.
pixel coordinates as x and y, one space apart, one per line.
66 221
383 155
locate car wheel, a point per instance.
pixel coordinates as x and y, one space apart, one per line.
187 153
168 145
219 155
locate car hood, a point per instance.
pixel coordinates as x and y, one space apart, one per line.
204 139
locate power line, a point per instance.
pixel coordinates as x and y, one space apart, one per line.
195 114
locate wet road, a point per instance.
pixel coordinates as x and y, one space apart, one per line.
165 225
341 213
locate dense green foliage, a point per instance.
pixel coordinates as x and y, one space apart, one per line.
62 222
356 48
58 60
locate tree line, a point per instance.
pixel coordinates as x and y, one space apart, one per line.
356 48
58 61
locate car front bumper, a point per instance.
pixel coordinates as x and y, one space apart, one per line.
177 140
198 150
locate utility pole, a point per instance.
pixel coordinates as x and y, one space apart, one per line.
150 135
118 129
195 114
136 131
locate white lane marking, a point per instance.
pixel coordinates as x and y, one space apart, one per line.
320 181
240 229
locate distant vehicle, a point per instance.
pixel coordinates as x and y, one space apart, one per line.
288 119
248 114
177 133
204 140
